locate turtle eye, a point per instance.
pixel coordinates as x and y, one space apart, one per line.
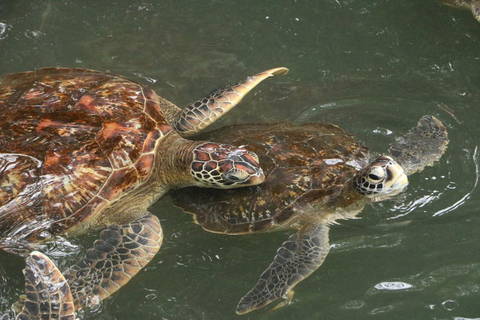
376 175
235 175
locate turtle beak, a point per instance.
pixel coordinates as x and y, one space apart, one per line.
399 179
256 179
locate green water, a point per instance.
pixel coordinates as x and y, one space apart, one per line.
371 66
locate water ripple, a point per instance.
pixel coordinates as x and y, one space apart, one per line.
4 28
469 194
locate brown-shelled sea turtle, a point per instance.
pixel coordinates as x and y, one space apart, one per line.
472 5
315 174
83 149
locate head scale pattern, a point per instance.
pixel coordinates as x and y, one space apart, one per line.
225 167
382 176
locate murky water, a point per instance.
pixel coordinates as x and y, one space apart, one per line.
371 66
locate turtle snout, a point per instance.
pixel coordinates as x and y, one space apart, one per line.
395 178
400 182
257 178
242 174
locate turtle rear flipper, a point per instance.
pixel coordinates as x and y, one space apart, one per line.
206 111
119 254
421 146
47 294
298 257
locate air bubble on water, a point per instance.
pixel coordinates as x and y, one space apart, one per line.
452 185
151 296
383 131
143 7
393 285
33 34
449 305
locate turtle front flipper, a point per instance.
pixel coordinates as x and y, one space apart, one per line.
421 146
47 294
206 111
298 257
119 254
475 7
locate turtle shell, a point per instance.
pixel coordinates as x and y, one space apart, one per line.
72 141
302 164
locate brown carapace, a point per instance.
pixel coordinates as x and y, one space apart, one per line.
82 149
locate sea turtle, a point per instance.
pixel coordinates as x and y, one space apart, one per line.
472 5
83 149
315 174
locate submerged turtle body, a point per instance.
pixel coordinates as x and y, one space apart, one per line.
82 149
311 161
315 174
472 5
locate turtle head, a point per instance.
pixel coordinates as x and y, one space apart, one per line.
225 167
381 177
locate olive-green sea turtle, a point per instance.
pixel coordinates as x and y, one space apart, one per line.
315 174
83 149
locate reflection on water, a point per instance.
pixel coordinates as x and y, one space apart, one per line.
372 67
408 207
452 185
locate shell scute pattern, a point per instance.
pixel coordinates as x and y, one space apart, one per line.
111 189
17 174
153 111
94 133
69 178
114 99
144 164
299 165
123 142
